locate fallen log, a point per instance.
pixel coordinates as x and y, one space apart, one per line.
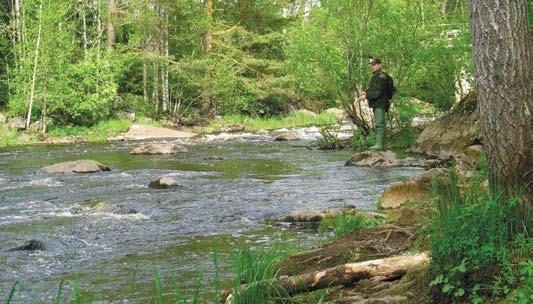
385 269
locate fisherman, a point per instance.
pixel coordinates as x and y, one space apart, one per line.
379 94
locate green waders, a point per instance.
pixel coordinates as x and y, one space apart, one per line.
379 116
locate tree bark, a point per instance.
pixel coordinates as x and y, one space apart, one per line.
347 274
83 16
208 39
111 26
35 63
503 82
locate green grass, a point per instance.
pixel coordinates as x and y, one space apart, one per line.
479 244
276 122
347 223
99 132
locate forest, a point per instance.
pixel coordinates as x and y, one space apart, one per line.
202 151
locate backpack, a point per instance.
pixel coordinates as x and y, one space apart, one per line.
390 89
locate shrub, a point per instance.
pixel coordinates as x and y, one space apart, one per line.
476 242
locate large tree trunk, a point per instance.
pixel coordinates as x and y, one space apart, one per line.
347 274
503 71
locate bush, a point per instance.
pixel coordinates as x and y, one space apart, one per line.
476 242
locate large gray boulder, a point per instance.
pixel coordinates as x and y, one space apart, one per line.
126 115
451 134
380 159
159 149
417 189
77 166
164 182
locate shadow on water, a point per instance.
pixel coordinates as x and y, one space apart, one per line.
107 226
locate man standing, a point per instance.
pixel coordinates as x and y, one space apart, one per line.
378 94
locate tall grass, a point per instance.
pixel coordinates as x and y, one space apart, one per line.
346 223
99 132
477 242
276 122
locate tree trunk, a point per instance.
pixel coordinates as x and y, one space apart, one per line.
208 39
83 16
347 274
111 26
503 82
35 63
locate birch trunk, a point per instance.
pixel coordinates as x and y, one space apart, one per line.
35 63
504 90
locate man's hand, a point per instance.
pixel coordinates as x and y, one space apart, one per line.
362 96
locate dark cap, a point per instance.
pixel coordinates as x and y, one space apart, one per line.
374 61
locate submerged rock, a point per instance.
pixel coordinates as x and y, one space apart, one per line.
452 133
159 149
29 245
77 166
416 189
374 159
164 183
140 132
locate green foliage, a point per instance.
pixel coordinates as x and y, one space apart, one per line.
99 132
347 223
476 240
328 138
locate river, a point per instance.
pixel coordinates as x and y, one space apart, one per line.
106 230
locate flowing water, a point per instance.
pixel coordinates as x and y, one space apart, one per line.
106 230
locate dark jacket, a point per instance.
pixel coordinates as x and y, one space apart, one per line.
377 91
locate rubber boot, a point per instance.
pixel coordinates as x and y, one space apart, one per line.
379 116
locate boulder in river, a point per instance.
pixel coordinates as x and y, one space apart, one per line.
141 132
77 166
452 133
164 182
286 136
29 245
159 149
415 190
374 159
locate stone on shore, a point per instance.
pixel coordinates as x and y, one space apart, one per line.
305 113
3 118
380 159
164 183
452 133
339 113
142 132
159 149
77 166
291 135
17 123
416 189
126 115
